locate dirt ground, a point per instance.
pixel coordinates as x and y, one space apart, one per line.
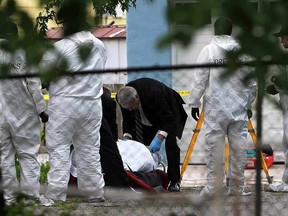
185 203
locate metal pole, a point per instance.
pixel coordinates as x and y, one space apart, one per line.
261 89
260 73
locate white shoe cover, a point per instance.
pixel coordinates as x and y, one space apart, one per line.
279 187
46 201
206 192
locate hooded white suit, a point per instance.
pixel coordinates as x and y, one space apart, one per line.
75 113
283 95
225 103
21 102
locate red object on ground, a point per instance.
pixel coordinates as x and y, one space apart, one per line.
251 162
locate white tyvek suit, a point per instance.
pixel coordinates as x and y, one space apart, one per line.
284 106
75 113
283 95
21 102
225 104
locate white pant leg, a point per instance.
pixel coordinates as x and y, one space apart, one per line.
284 106
237 139
24 141
285 148
214 148
87 145
7 154
59 131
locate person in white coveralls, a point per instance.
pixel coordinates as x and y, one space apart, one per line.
279 85
75 111
21 104
225 105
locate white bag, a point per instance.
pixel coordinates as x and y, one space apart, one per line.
136 156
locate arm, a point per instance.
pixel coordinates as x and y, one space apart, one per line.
34 88
128 123
200 79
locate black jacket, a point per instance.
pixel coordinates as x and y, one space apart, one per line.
162 106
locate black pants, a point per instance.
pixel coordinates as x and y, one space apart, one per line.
111 161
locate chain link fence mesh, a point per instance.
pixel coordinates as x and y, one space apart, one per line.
188 201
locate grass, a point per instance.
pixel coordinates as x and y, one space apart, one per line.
44 169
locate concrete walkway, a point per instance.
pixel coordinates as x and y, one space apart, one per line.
195 175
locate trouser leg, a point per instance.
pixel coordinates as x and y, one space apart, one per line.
284 106
27 151
214 148
173 158
59 173
111 161
87 151
9 179
285 148
237 138
58 141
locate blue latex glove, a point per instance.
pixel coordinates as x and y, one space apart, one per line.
155 145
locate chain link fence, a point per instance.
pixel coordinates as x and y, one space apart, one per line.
188 201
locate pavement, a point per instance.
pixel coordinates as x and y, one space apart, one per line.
195 174
123 202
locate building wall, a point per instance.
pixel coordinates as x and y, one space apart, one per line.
116 48
33 8
272 115
116 58
145 25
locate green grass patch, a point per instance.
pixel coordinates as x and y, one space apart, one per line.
44 169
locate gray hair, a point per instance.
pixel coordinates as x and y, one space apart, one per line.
126 95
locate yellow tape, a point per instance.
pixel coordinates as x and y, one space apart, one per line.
184 92
181 92
113 94
46 97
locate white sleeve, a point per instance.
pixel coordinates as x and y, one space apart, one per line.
33 85
34 88
200 79
252 84
50 58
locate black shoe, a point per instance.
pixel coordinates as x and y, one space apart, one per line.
174 187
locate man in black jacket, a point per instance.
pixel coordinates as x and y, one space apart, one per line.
162 114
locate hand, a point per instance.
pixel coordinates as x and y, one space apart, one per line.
280 81
44 117
195 113
155 145
249 113
270 89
